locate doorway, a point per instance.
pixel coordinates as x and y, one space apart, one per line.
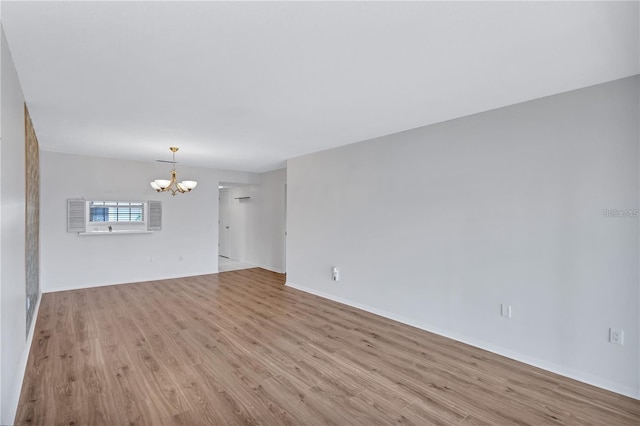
231 230
224 223
252 224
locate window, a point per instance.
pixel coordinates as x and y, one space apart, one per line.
89 217
116 212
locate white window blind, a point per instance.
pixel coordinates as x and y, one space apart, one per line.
116 211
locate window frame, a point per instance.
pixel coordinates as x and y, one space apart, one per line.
92 226
107 204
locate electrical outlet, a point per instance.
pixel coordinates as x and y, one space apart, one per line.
616 336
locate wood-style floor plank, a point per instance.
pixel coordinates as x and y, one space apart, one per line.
241 348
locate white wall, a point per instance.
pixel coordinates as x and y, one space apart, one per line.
438 226
187 244
14 342
258 223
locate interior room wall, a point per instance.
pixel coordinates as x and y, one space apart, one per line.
187 244
13 340
258 223
533 206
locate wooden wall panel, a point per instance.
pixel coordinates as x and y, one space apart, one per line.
32 212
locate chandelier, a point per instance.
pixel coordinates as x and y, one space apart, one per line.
173 186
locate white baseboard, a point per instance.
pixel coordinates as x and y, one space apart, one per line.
545 365
8 418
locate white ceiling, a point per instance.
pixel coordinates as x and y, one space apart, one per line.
245 86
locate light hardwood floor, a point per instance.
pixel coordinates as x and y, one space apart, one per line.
241 348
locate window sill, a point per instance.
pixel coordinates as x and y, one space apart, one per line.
115 232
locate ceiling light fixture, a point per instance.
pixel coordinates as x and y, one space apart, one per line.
173 186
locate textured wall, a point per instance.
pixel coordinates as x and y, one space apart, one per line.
32 250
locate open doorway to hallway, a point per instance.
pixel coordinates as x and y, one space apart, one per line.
252 223
231 228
